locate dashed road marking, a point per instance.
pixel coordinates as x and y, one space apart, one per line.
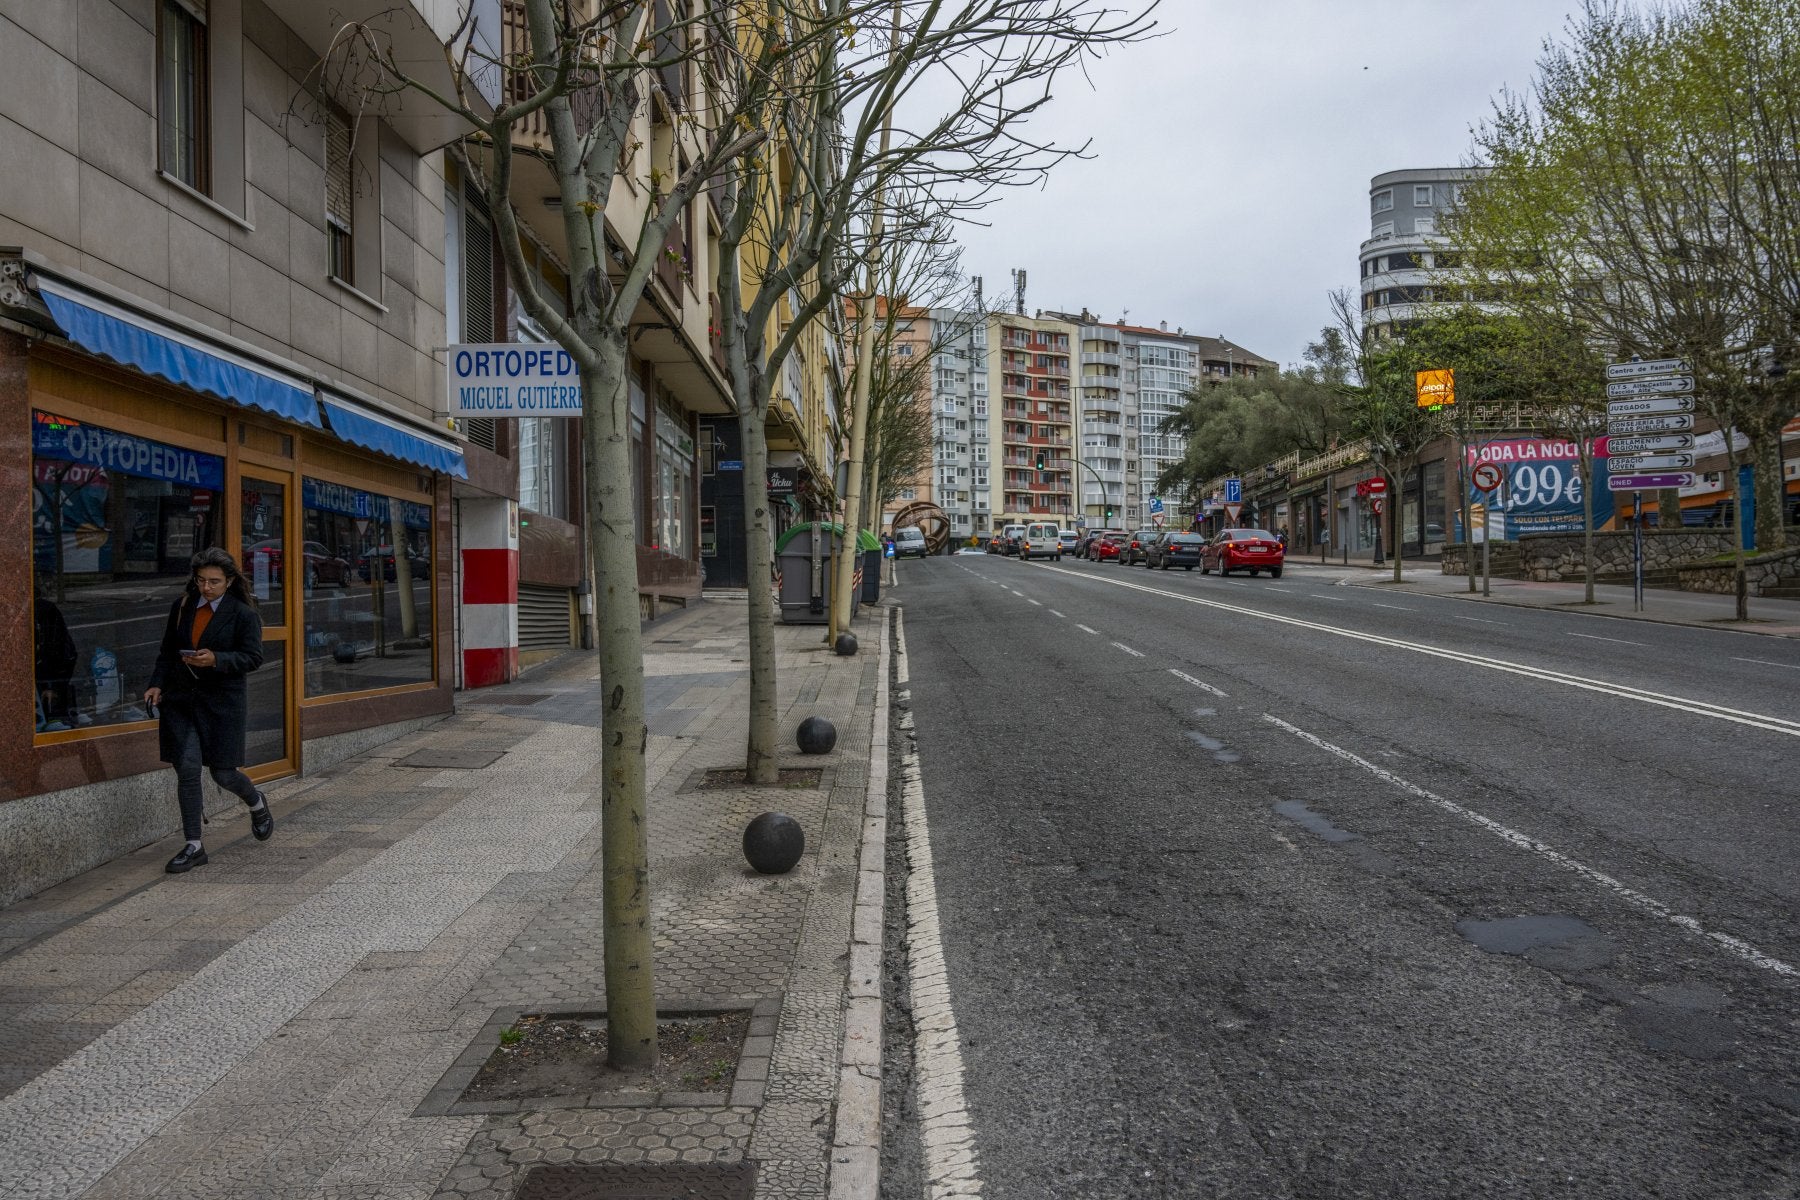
1057 615
1039 603
1085 628
1395 607
1630 895
1765 662
1594 637
1201 684
1128 650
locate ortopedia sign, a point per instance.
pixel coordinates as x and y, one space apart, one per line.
512 379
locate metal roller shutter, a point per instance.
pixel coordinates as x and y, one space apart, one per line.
544 622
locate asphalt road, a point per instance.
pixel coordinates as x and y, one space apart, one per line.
1273 888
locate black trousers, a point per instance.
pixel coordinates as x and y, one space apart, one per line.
188 790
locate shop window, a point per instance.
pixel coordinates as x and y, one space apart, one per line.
115 520
367 590
674 477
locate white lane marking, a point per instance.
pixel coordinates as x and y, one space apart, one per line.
1016 592
1395 607
1205 687
1084 628
1594 637
1057 615
1630 895
946 1127
1128 650
1039 603
1698 708
1482 620
1765 662
1322 596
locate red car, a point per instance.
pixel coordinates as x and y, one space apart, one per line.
1251 550
1105 547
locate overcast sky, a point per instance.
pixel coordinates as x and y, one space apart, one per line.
1229 185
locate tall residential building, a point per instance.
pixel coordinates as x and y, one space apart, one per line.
959 416
1406 244
1029 369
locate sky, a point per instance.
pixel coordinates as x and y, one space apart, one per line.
1228 188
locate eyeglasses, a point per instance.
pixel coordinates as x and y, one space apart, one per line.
207 583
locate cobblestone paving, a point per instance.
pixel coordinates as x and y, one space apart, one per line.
266 1026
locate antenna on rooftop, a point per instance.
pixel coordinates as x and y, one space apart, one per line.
1019 291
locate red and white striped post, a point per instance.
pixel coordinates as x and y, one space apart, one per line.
490 592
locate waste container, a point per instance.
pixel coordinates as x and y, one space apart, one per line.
803 569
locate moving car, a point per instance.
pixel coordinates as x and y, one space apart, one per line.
996 543
909 542
1250 550
1040 539
1012 534
1177 548
1132 551
1068 538
1092 536
1105 546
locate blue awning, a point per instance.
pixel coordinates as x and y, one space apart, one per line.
359 424
159 349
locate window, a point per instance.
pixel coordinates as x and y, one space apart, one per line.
904 350
184 149
368 611
114 520
1383 230
1422 195
1383 201
340 197
1424 225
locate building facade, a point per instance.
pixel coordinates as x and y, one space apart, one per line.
1030 371
1402 263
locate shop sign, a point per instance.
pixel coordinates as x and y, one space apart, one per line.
512 379
783 480
109 450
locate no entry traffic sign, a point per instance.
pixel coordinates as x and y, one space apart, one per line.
1486 476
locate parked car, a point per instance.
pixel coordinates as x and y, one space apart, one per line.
321 565
1176 548
1040 539
1250 550
1069 539
909 542
417 567
1106 547
996 543
1012 534
1132 551
1093 535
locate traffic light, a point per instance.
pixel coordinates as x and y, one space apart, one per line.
1109 516
1040 460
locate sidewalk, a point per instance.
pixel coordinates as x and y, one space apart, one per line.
1776 618
296 1018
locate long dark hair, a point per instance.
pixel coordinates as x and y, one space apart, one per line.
236 586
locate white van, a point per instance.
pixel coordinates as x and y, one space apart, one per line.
909 542
1041 539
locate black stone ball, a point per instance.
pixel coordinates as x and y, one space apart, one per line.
846 645
773 843
816 735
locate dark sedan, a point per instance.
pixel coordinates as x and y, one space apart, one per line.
1176 549
1252 550
1131 551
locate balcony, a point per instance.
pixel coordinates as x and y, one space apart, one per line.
673 266
1099 358
1104 428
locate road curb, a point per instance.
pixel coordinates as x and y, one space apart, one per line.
855 1172
1572 607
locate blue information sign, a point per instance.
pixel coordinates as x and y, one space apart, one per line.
71 441
1234 491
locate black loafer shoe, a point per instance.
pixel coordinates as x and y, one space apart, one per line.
187 860
262 821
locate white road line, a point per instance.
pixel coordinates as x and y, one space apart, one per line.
1594 637
1205 687
1765 662
1128 650
1698 708
1395 607
1057 615
1039 603
1322 596
1482 620
1084 628
946 1127
1630 895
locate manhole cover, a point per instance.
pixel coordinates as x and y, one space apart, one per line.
513 698
640 1181
445 757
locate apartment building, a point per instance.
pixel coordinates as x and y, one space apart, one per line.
1030 371
1403 260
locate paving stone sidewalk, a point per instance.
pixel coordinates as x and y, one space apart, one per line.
293 1020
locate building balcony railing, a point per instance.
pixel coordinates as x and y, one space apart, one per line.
1113 428
1101 358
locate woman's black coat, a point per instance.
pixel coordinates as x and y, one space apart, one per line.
212 701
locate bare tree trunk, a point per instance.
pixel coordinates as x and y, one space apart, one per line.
760 764
1771 490
1668 508
629 954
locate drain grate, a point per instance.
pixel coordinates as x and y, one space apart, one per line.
453 759
640 1181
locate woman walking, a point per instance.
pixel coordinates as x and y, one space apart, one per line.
212 641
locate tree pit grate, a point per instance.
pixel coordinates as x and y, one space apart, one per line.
729 778
640 1181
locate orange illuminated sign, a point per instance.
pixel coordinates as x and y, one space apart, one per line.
1435 388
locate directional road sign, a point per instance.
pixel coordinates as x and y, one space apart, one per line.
1656 366
1234 492
1645 406
1674 423
1659 385
1649 483
1649 445
1650 462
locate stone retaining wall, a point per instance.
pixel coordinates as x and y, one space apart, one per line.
1777 569
1548 557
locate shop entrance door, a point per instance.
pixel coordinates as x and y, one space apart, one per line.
280 571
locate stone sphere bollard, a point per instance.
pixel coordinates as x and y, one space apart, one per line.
846 645
816 735
773 843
